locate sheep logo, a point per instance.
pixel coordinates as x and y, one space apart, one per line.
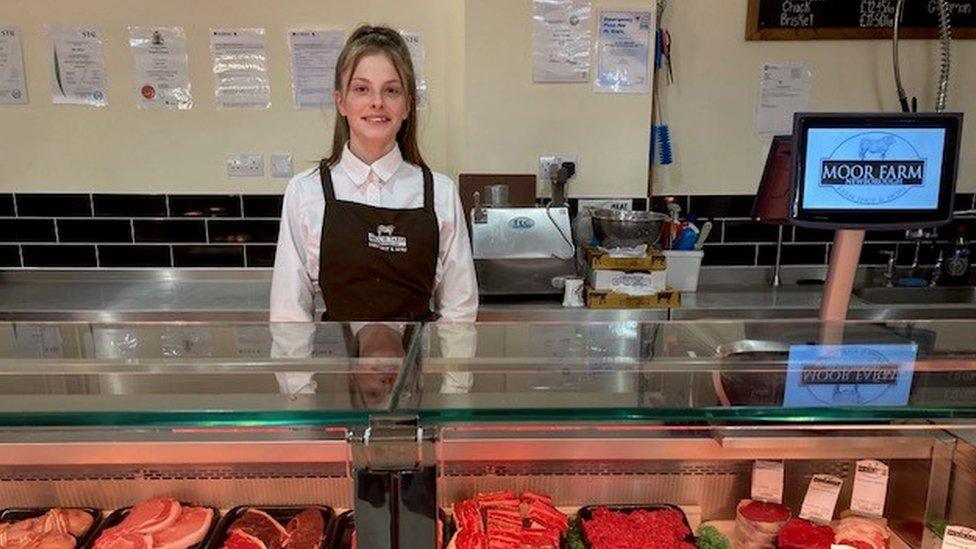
385 230
877 147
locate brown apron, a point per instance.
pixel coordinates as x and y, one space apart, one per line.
377 264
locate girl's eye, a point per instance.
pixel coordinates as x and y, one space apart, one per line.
393 91
359 89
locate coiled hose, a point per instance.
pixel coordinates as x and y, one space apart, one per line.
945 37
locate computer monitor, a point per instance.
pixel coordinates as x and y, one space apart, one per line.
874 171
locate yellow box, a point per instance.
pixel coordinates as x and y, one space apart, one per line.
612 300
598 259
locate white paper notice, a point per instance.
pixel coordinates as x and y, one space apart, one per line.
783 90
313 59
821 499
415 42
77 67
623 52
767 481
870 488
13 83
162 76
240 66
561 40
959 537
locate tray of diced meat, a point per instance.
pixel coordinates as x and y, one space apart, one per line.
862 533
506 520
159 523
803 534
757 524
46 528
636 526
283 527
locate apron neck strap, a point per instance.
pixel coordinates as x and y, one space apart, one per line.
428 189
325 175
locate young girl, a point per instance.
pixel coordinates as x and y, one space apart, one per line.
372 227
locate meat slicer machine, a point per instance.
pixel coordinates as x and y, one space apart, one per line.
523 251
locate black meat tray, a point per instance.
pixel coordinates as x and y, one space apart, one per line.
118 515
586 513
281 513
340 535
22 513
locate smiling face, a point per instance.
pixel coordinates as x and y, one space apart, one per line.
374 103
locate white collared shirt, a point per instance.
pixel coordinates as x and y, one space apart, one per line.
395 184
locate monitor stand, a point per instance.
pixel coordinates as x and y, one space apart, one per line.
844 258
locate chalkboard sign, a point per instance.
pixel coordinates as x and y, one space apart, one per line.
854 19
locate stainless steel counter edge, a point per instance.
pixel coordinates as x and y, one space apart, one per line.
228 295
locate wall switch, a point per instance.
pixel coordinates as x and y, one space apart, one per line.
281 166
556 159
245 165
606 203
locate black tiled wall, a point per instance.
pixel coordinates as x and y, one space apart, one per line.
737 240
155 230
138 230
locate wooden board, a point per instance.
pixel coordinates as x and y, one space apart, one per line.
853 19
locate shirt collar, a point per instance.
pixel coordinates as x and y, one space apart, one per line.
358 171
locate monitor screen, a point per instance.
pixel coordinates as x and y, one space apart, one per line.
871 170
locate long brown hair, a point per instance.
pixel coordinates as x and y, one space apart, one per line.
370 40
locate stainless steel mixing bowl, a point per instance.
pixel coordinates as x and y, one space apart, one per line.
620 228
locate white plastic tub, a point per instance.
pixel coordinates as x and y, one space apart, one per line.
683 269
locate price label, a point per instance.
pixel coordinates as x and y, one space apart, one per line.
959 537
870 488
821 498
767 481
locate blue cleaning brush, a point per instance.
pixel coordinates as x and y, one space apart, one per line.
664 143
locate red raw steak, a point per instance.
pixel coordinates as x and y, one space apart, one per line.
260 525
240 539
305 531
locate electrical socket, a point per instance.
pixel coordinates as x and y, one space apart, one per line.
547 160
245 165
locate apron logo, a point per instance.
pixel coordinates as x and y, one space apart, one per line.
384 240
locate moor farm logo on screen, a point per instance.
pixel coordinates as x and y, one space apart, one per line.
873 168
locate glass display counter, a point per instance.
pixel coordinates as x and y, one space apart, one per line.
392 430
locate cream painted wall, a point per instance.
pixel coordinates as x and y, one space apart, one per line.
485 114
511 121
122 149
711 107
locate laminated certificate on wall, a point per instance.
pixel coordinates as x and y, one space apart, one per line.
561 40
624 52
162 77
313 60
13 83
240 67
77 66
415 42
